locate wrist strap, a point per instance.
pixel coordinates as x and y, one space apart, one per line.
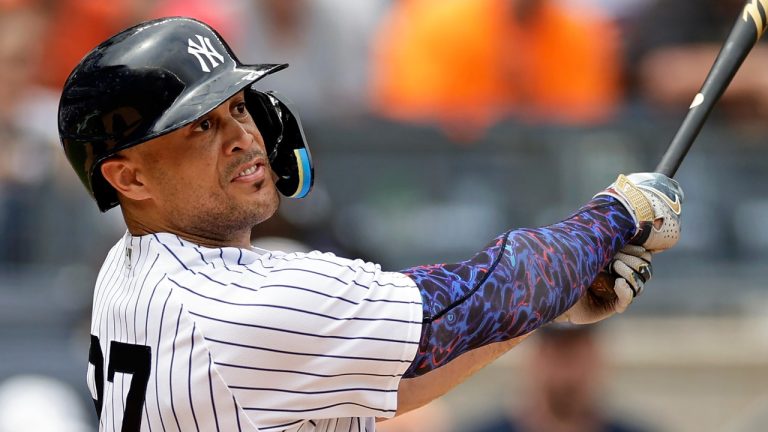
641 205
638 205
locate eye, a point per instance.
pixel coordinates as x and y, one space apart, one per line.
240 109
203 126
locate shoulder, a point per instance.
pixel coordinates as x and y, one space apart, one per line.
317 259
326 272
327 263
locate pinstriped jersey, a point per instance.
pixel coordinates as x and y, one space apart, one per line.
191 338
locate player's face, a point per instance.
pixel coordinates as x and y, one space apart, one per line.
211 179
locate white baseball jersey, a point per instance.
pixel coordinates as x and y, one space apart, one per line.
190 338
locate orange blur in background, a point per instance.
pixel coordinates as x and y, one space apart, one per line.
476 61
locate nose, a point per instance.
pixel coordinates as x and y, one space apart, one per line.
236 136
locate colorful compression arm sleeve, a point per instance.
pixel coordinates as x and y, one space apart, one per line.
522 280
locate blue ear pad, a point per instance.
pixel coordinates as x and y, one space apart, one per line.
284 138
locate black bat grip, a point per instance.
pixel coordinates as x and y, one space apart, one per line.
683 140
747 30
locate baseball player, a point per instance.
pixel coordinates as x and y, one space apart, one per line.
194 329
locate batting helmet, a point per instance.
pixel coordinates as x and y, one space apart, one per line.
158 76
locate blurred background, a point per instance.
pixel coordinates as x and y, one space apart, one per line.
435 125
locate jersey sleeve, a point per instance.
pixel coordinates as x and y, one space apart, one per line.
308 336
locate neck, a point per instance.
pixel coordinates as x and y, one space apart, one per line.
136 227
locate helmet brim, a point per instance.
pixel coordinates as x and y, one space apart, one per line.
205 98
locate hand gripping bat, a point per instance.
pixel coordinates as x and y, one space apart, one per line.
749 27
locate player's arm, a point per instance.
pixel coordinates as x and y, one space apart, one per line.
413 393
628 273
528 277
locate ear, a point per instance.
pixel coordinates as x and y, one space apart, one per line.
121 173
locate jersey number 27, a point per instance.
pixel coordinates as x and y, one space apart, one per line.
123 358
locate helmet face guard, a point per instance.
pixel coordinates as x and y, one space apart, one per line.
157 77
283 135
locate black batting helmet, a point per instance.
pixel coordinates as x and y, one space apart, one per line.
156 77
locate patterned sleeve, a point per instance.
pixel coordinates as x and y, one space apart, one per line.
520 281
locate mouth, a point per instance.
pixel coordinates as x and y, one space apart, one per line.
254 170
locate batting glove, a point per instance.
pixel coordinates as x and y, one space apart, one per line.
655 202
614 289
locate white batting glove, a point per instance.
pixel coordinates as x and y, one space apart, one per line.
655 202
614 289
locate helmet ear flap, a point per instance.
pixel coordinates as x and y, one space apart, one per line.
284 139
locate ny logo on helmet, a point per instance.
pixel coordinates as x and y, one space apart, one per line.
204 47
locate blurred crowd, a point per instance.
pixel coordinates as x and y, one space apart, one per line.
451 72
562 379
459 66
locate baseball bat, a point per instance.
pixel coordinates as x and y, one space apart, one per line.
747 30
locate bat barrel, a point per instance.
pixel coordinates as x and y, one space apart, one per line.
747 30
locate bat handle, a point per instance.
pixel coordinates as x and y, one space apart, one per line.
692 124
683 139
671 160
